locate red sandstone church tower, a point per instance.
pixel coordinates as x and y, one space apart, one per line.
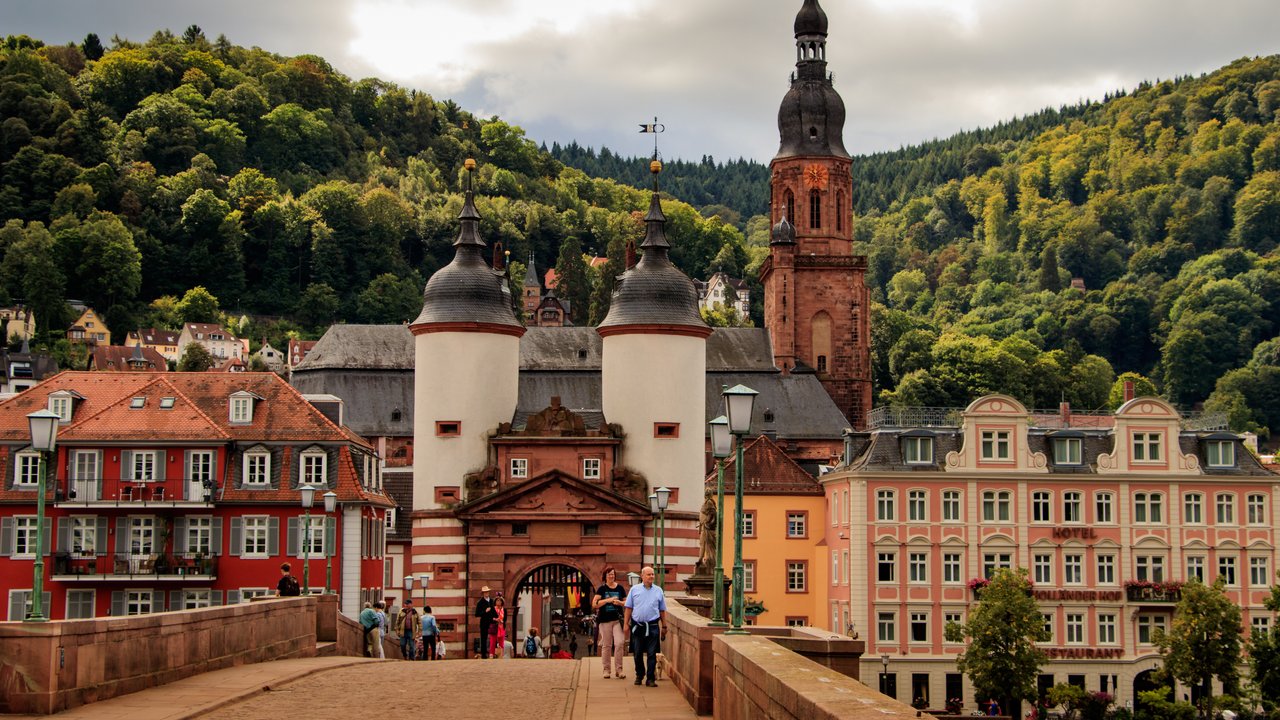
815 299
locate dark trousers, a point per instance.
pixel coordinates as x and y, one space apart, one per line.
484 639
408 646
644 646
429 647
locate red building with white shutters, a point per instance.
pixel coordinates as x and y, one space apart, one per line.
170 491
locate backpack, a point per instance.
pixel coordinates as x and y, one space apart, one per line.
531 646
291 587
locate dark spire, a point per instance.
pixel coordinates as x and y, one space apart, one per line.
655 234
811 117
530 274
467 290
784 233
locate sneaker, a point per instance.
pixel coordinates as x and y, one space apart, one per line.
606 674
651 683
620 676
639 680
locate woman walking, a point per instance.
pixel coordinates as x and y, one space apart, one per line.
608 603
430 633
498 633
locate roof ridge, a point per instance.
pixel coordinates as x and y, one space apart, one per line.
342 430
196 407
115 376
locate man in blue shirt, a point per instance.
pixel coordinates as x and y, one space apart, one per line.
645 622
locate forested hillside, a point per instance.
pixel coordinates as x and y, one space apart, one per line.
131 174
1138 235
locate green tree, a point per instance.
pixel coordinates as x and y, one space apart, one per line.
198 305
317 307
196 358
1264 659
572 281
30 268
92 47
1049 279
108 265
389 299
1142 387
1001 658
1204 641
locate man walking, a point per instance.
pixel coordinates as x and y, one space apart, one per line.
487 613
408 626
288 584
645 620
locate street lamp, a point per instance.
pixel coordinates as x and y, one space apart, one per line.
660 498
426 582
408 587
721 446
633 579
44 438
308 497
738 403
330 504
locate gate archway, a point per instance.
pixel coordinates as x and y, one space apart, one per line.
556 599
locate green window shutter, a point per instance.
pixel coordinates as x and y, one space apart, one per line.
117 603
162 457
122 535
237 537
46 539
180 536
175 600
18 604
100 542
216 539
273 536
6 536
233 597
292 546
64 534
126 464
330 535
215 597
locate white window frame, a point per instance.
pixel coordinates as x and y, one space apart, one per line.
1042 568
1041 507
886 627
1195 567
1256 508
1227 569
995 506
797 525
886 502
83 532
1074 623
992 561
1220 453
887 559
249 593
797 576
1147 447
240 410
918 567
1106 565
995 446
748 576
316 537
1149 567
196 598
748 523
1147 625
1259 572
1072 507
951 506
143 465
917 450
917 620
1067 451
26 470
255 531
952 564
61 404
1224 509
519 468
1107 628
917 506
136 599
315 468
24 537
259 476
1259 625
1073 569
1048 626
1150 505
1104 507
591 468
200 534
1193 508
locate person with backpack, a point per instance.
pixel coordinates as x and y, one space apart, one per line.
531 646
369 622
609 603
430 635
288 585
407 627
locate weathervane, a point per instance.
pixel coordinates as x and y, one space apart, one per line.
654 128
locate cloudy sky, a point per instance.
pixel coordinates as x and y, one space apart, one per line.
713 71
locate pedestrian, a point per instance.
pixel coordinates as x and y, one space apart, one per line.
430 634
380 616
408 627
369 622
498 630
645 620
484 611
609 601
993 707
288 585
573 646
531 647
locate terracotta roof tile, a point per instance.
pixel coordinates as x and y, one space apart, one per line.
769 471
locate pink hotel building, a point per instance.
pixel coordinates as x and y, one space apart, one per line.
1109 514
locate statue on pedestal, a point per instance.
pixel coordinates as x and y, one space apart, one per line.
707 550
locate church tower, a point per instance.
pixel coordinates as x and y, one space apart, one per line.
815 299
532 290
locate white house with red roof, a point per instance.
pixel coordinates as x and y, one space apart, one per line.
171 491
221 343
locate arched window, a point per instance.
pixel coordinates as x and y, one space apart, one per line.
840 211
815 209
820 329
791 206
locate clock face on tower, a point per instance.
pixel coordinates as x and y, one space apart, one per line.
815 176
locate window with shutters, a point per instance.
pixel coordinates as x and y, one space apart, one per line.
84 535
257 468
24 536
200 535
312 541
80 604
194 599
255 532
142 466
20 604
26 470
247 594
138 602
313 468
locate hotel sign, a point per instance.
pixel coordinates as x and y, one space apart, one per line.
1084 653
1082 595
1080 533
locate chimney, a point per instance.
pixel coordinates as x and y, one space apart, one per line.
1064 411
631 254
848 445
1128 390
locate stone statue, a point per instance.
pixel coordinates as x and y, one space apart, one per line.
707 550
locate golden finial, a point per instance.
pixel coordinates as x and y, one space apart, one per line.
469 164
655 166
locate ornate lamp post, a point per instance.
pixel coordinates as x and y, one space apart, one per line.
884 674
721 446
738 403
308 497
664 494
330 505
44 438
653 508
408 588
426 582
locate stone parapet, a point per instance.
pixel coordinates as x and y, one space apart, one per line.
50 667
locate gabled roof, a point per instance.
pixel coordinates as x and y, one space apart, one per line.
118 357
154 336
768 471
554 495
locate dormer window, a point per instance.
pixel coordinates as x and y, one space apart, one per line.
917 449
1146 447
1220 453
995 445
137 403
1068 450
314 466
166 403
241 407
61 403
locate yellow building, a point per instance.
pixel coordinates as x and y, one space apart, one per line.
89 329
784 547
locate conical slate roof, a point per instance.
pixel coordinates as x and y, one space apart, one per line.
654 292
811 20
811 116
467 290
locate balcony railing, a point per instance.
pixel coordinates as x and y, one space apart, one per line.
918 417
1159 592
111 492
68 567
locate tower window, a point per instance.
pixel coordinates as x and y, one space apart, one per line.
815 209
840 211
448 428
813 133
822 363
791 205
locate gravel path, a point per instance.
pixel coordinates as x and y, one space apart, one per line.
481 689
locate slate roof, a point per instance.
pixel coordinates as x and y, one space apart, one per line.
767 470
369 398
398 484
365 347
801 407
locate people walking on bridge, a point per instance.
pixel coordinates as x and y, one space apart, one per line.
408 626
369 622
288 584
609 602
430 634
498 630
375 637
486 614
645 620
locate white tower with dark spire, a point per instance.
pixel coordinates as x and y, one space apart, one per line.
653 382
